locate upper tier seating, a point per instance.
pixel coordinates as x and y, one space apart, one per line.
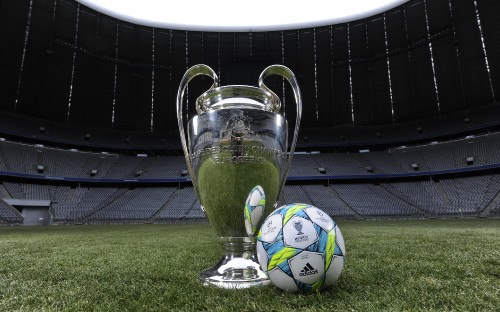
91 137
463 154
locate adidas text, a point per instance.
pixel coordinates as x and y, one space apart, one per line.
308 273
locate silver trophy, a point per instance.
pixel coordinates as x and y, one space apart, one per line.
237 142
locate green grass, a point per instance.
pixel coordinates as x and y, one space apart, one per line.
391 265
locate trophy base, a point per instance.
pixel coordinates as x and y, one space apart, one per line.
238 268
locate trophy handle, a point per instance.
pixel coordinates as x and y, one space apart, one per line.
286 73
192 72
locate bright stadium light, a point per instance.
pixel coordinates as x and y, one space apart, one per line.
230 15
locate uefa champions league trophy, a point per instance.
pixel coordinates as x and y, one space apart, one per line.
237 142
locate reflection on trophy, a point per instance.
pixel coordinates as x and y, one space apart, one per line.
237 143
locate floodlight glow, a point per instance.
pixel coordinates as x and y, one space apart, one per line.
231 15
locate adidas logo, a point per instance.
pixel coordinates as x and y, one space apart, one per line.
308 270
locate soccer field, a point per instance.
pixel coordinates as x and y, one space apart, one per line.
417 265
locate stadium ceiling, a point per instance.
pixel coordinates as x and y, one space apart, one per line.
240 16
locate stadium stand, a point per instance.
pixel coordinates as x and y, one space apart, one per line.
136 205
8 214
427 196
453 197
23 159
179 206
448 126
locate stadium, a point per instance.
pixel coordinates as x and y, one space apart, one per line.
399 143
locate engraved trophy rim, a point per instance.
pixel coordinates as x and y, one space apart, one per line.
242 96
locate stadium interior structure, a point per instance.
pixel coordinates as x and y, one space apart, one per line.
401 116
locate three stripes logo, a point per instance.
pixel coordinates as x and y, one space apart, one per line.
308 270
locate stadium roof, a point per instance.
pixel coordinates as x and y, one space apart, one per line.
239 16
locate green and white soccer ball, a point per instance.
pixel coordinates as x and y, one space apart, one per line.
301 248
254 209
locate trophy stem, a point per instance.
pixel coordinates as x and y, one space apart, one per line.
238 268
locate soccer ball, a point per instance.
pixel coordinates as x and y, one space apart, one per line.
300 248
254 209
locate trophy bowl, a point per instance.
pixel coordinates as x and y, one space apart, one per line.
237 142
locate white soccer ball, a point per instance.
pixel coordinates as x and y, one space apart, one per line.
301 248
254 209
